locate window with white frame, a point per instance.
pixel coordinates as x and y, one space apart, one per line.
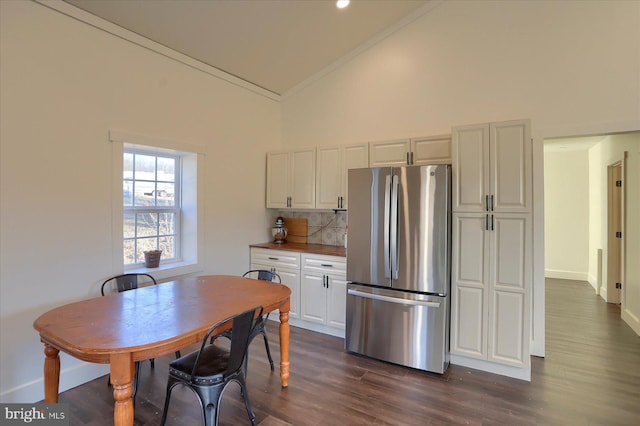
151 193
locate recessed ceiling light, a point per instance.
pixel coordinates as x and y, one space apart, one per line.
341 4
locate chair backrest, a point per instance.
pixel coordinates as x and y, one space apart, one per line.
242 326
125 282
263 274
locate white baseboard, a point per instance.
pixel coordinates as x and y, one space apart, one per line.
632 320
566 275
603 292
594 282
69 378
491 367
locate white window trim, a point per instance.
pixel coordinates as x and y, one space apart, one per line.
193 223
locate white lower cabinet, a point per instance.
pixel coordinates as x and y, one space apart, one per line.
323 299
323 290
491 274
318 287
287 265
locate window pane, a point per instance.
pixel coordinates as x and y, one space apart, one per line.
167 223
166 169
147 224
129 252
144 193
166 194
167 245
127 165
127 193
145 244
129 225
145 167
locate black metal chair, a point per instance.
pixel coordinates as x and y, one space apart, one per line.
126 282
208 371
265 275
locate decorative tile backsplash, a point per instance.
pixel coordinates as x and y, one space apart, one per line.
322 227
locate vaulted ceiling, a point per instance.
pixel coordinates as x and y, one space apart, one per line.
274 44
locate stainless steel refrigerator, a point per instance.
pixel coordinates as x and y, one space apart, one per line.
398 265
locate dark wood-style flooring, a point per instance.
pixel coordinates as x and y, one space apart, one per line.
590 376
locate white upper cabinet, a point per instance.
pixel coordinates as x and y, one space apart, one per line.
407 152
494 167
431 150
510 158
291 179
278 180
332 173
389 153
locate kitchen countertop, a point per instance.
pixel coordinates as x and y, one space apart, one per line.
305 248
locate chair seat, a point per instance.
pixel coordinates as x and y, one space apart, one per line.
213 363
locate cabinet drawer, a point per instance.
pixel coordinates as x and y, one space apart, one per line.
324 264
277 258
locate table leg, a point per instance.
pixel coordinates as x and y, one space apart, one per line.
51 373
284 345
122 371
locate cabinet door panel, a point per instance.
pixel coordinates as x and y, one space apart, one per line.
507 329
303 178
470 248
510 241
277 179
389 153
431 150
337 302
468 322
510 159
354 157
329 183
470 152
313 298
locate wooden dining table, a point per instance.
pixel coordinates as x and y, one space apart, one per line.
122 328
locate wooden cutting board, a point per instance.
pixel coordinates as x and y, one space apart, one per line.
296 230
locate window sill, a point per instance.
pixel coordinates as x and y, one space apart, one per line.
169 271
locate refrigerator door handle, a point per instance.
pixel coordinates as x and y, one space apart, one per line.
387 201
394 227
393 299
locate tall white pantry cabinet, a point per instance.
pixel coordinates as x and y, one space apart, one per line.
492 247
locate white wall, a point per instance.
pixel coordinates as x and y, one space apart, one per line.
612 150
566 215
64 85
572 67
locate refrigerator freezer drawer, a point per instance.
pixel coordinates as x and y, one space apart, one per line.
398 327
